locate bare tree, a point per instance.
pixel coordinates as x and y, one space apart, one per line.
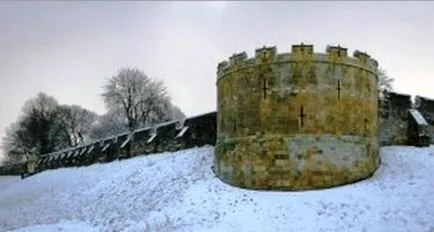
36 131
176 113
12 148
40 124
111 123
42 103
384 81
142 100
76 123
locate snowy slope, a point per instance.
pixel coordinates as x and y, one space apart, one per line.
5 181
178 192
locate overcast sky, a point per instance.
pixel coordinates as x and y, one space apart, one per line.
69 49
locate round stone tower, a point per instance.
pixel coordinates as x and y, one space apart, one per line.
299 120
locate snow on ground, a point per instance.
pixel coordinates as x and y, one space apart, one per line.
5 181
65 226
178 192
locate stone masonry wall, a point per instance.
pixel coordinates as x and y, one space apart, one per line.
171 136
298 120
426 108
393 126
393 118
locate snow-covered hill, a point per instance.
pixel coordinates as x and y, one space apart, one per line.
178 192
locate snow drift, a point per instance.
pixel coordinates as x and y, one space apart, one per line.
178 192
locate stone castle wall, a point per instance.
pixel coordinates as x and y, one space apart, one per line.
192 132
201 130
298 120
394 121
286 121
393 118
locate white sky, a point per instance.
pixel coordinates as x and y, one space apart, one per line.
69 49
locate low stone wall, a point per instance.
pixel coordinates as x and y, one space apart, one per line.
171 136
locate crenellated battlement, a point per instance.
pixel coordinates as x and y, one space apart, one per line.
293 121
336 52
365 59
299 52
265 55
238 59
302 50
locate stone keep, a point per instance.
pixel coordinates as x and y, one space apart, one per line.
299 120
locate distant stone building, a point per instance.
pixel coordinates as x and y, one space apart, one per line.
299 120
